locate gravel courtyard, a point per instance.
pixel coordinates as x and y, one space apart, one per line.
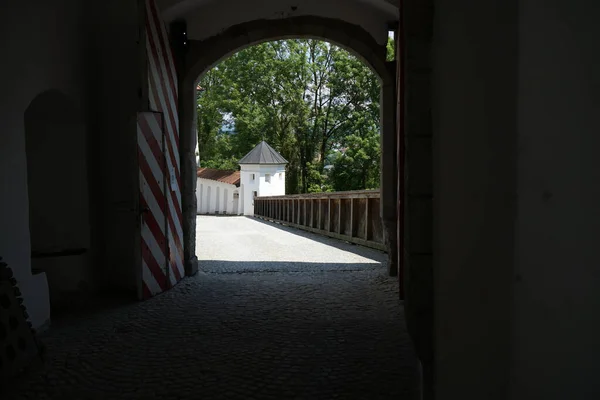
274 313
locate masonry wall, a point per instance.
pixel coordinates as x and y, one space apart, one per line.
474 168
86 54
274 184
556 305
58 194
43 50
516 216
210 19
248 186
259 184
116 71
207 203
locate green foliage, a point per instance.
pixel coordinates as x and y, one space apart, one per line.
304 97
357 165
390 50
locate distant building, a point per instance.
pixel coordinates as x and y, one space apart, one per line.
262 173
217 191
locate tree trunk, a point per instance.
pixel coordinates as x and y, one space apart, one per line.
303 170
322 150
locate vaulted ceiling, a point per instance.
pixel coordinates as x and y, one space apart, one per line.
207 18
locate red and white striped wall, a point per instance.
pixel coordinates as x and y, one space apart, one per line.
153 203
163 97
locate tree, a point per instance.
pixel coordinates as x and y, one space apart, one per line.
390 50
356 166
304 97
210 117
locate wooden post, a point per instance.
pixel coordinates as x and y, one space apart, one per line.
351 217
339 218
319 213
367 221
329 214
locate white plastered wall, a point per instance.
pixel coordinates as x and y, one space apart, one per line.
209 205
259 184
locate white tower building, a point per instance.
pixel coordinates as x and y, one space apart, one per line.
262 173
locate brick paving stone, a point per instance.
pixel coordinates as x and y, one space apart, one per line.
277 314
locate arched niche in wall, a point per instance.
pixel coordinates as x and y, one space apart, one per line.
58 190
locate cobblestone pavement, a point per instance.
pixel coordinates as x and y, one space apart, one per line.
319 320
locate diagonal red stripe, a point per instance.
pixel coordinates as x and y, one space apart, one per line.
154 266
153 225
167 51
169 146
152 140
175 268
177 207
162 79
176 239
165 46
175 235
156 90
177 211
146 293
154 186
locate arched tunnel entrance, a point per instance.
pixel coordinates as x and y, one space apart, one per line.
291 344
495 162
203 55
269 260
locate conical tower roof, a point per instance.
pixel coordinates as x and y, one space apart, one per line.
263 154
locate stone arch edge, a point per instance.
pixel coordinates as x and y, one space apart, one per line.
205 54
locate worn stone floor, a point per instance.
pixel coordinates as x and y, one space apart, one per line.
274 313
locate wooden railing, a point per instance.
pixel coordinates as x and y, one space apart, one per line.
350 216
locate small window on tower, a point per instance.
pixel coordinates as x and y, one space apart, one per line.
268 178
252 176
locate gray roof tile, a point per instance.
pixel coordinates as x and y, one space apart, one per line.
263 154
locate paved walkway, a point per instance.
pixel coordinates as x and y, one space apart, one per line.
275 313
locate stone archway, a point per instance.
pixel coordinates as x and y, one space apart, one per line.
203 55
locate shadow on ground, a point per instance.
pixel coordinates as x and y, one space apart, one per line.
239 330
250 267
